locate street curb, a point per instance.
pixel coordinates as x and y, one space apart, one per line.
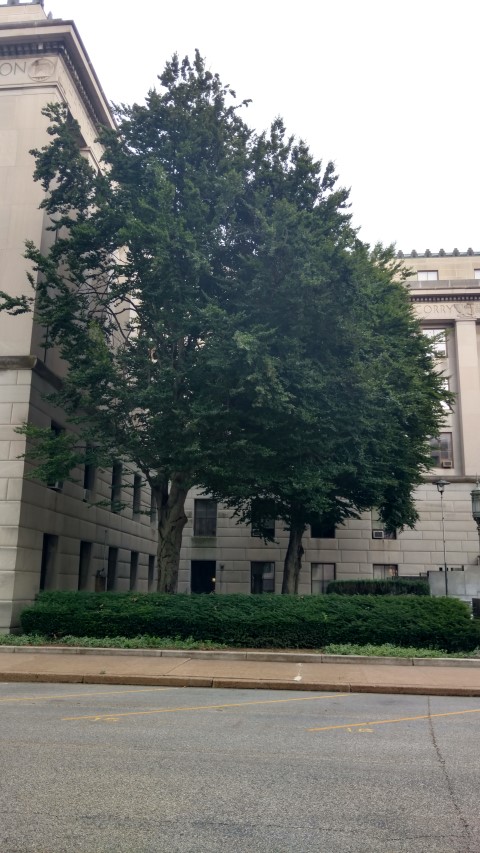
248 655
233 683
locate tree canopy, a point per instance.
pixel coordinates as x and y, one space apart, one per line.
364 392
222 323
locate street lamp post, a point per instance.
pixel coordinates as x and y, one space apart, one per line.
475 495
440 484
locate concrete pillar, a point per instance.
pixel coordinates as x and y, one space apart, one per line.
468 399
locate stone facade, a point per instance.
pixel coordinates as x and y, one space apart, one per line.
52 537
49 536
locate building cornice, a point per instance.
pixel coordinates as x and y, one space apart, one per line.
448 297
61 38
30 362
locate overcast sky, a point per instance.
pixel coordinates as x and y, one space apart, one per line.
389 90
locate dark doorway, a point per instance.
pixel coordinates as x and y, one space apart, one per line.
203 576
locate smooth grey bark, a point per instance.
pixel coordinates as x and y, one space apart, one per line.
293 560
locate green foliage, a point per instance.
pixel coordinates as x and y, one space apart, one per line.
23 640
259 621
363 391
149 642
389 586
55 454
222 323
391 651
140 642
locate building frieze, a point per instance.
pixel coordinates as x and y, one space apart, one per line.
463 307
32 62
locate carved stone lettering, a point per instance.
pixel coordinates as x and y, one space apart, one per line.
448 310
10 69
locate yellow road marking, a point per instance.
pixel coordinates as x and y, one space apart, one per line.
96 717
399 720
76 695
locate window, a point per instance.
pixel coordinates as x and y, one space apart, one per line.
57 430
476 274
378 528
84 565
383 572
133 569
153 507
112 569
439 341
116 491
47 569
262 519
446 386
322 529
89 472
322 574
205 518
427 275
137 494
441 450
267 528
151 572
262 577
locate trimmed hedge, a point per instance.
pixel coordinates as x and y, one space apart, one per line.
389 586
259 621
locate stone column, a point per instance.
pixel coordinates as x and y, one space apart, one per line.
468 396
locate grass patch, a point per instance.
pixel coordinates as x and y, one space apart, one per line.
141 642
391 651
189 644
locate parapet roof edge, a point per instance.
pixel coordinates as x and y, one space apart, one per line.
440 254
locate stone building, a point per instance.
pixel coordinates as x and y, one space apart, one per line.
51 536
445 292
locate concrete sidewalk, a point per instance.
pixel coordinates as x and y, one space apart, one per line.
248 669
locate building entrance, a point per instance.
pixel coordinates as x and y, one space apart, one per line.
203 576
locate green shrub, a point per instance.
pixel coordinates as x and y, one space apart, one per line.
389 586
259 621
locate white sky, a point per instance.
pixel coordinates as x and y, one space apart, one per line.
388 90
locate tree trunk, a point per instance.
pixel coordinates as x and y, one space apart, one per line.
170 499
293 560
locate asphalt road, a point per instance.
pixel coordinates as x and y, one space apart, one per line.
100 769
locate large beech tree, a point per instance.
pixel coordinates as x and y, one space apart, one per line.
222 324
363 390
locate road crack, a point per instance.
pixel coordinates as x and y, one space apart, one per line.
466 830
